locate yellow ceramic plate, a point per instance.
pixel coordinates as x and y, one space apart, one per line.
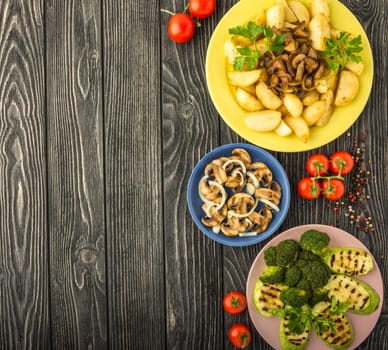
233 115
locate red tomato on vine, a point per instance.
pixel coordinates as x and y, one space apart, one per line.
180 28
202 8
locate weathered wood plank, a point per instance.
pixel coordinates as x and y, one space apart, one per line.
75 188
190 130
133 175
24 298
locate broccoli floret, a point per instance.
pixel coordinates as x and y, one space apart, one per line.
294 297
304 284
287 252
270 256
284 254
314 241
316 272
292 276
308 255
318 295
272 275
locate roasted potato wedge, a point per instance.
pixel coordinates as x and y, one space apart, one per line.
311 114
319 30
355 67
293 104
275 16
250 88
328 82
320 7
347 88
247 101
230 50
328 98
283 129
267 97
301 12
266 120
289 15
310 98
299 126
244 78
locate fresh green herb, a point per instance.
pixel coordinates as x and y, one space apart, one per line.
251 31
337 308
322 324
274 43
298 318
249 57
342 50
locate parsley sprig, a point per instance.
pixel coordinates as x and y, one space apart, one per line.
249 56
302 318
342 50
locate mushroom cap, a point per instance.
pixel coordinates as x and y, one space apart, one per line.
236 180
241 203
233 226
272 193
216 171
261 219
261 172
213 216
243 155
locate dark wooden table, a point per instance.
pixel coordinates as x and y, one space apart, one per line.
102 119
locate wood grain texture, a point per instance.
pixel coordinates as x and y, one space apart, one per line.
134 174
190 130
24 303
76 192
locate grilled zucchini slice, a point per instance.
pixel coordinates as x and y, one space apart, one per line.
348 261
362 298
293 341
266 297
342 337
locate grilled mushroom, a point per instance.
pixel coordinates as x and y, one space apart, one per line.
213 216
243 155
214 170
234 225
271 194
236 180
261 172
260 220
241 203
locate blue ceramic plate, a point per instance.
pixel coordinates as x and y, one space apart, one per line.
258 155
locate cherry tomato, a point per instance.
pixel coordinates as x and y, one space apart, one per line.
234 303
180 28
317 165
202 8
333 189
240 335
341 163
309 188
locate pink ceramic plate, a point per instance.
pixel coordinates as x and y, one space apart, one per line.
268 327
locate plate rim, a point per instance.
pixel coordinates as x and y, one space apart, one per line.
239 241
292 145
250 285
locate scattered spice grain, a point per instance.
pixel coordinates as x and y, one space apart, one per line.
354 205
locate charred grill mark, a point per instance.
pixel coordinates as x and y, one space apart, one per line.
342 333
365 301
296 339
332 260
